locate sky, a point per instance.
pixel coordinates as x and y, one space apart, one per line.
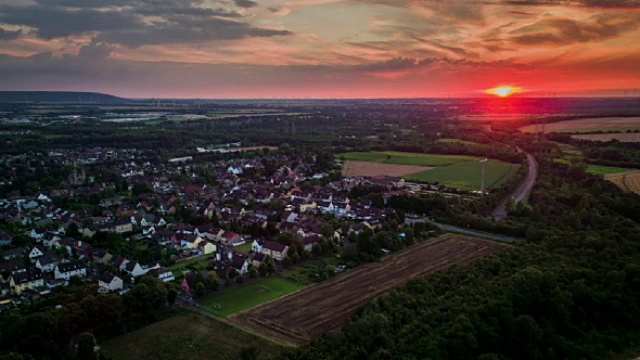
320 48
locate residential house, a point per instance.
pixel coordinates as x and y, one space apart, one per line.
101 256
13 266
232 238
240 264
72 268
5 238
16 253
35 253
46 263
276 250
310 241
110 282
31 279
207 247
165 274
135 269
258 258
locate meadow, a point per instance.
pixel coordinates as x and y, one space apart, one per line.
187 336
402 158
468 175
622 137
588 125
246 296
598 169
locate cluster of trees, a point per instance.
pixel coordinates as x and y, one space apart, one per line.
572 292
48 332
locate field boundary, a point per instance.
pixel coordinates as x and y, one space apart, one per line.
320 308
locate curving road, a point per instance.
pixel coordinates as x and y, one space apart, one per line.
521 191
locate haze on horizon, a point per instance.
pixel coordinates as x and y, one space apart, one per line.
320 48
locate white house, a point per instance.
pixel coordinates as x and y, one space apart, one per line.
35 253
165 274
46 264
110 282
72 268
241 264
135 269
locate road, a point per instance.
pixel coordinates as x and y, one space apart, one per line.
480 234
521 191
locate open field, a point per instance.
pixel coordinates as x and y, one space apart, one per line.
598 169
364 168
468 175
629 181
247 296
622 137
318 309
590 124
456 141
402 158
188 336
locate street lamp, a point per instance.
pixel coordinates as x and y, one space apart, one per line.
483 161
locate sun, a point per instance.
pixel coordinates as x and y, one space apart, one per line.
504 90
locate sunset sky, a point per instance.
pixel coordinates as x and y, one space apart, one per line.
320 48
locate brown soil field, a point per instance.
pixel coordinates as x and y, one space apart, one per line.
306 315
589 124
629 181
364 168
623 137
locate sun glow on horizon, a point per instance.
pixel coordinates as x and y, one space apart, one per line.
504 90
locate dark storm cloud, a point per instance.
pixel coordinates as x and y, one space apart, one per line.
561 31
186 30
245 3
9 35
135 23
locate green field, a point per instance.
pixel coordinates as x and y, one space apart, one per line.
457 141
598 169
468 175
247 296
188 336
401 158
606 170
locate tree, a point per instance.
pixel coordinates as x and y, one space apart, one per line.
172 295
253 272
262 269
240 279
86 346
72 230
212 281
200 289
249 353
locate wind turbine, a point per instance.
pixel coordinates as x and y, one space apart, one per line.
483 161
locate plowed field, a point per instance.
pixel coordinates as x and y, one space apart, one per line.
629 181
308 314
363 168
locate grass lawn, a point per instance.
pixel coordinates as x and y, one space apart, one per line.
188 336
468 175
247 296
179 265
402 158
244 247
307 273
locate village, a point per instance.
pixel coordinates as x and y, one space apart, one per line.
242 215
